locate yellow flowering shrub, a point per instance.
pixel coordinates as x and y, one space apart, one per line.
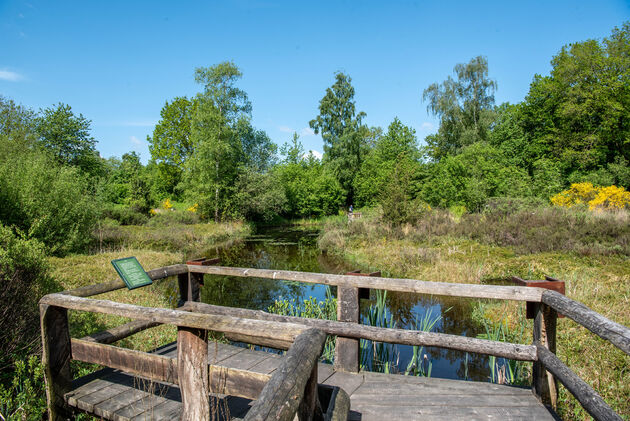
611 197
193 208
167 204
608 198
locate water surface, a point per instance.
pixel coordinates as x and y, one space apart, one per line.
295 248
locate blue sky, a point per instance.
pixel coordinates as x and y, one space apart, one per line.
118 62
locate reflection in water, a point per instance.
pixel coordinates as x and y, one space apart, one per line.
290 248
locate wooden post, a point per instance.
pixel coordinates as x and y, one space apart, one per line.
544 384
189 284
56 356
347 349
310 408
348 305
192 373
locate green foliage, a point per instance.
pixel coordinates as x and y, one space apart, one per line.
345 137
399 144
171 144
577 115
260 196
311 309
464 107
124 215
45 200
24 278
68 138
310 190
24 397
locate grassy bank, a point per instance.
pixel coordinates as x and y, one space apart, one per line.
168 235
490 247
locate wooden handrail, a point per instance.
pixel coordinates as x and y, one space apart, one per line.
391 284
272 334
285 391
281 332
379 334
588 398
615 333
113 285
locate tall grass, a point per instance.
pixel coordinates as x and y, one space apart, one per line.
588 250
373 356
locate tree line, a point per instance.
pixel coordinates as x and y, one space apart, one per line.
573 126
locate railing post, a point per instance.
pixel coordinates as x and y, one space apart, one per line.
347 349
348 301
56 356
310 408
544 384
192 373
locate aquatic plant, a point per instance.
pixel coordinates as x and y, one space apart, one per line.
379 356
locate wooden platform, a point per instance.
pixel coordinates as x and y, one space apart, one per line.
110 394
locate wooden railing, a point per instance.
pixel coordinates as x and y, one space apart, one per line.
547 368
291 390
194 319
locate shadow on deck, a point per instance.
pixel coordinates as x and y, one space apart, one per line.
113 395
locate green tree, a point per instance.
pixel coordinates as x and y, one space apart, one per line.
345 137
464 107
310 189
398 144
171 144
214 163
68 138
17 122
578 115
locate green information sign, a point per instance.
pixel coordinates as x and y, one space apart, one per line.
131 272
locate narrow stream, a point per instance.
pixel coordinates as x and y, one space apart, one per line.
294 248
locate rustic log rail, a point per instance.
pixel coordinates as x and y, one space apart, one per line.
303 338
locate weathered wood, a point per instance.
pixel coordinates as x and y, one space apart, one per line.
544 332
154 367
396 336
280 398
56 355
588 398
257 331
115 334
338 404
192 371
113 285
236 382
189 287
389 284
310 408
617 334
347 349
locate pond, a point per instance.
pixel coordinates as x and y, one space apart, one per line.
295 248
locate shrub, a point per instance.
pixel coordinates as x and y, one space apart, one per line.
45 200
24 398
173 218
603 198
23 274
125 215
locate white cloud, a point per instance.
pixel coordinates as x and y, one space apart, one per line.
307 131
316 155
10 76
285 129
427 126
135 140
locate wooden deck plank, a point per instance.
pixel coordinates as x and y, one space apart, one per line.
117 396
268 365
448 413
349 382
244 360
